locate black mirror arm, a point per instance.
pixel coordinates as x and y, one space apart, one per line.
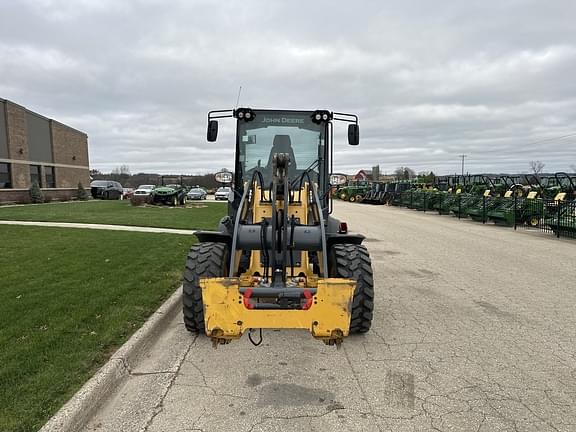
218 114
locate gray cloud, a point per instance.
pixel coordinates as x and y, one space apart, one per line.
429 80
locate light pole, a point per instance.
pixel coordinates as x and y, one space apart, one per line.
463 156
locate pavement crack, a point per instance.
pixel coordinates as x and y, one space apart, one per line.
357 379
329 410
195 366
214 392
160 405
151 373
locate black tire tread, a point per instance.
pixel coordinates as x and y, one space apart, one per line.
204 260
352 261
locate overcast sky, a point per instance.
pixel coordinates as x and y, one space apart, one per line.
429 79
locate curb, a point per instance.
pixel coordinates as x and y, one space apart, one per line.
104 227
74 415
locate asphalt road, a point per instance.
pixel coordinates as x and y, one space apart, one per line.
474 330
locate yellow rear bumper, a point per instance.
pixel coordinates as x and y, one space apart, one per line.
227 318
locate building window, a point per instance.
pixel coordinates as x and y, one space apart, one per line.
50 178
5 180
35 175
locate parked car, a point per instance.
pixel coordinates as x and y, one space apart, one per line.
172 194
106 189
222 193
144 190
127 193
196 193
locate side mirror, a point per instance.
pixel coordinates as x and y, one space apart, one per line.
212 133
337 179
353 134
224 177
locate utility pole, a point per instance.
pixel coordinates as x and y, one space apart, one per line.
463 156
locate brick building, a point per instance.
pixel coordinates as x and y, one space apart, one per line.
35 148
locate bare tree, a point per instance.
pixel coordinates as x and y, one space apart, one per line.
404 173
537 167
121 173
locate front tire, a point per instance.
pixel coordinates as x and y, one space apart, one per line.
205 260
352 261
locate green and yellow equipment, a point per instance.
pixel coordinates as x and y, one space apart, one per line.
279 260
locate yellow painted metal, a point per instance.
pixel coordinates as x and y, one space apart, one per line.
560 196
487 192
262 210
226 317
508 194
532 195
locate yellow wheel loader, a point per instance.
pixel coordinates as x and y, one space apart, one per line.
279 260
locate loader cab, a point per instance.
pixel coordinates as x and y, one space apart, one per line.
306 136
292 132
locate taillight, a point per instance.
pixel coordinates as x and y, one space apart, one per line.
343 228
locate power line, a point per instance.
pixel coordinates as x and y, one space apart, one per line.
552 139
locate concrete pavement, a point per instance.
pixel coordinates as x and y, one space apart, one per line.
474 330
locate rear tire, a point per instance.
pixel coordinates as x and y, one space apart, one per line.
205 260
352 198
353 262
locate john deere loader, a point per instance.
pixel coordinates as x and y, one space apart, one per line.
279 260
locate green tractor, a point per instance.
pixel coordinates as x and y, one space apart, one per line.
561 212
491 199
531 209
471 194
354 191
504 213
446 199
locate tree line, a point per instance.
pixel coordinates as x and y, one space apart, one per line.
123 176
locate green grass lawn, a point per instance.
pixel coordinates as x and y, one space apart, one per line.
68 299
201 215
